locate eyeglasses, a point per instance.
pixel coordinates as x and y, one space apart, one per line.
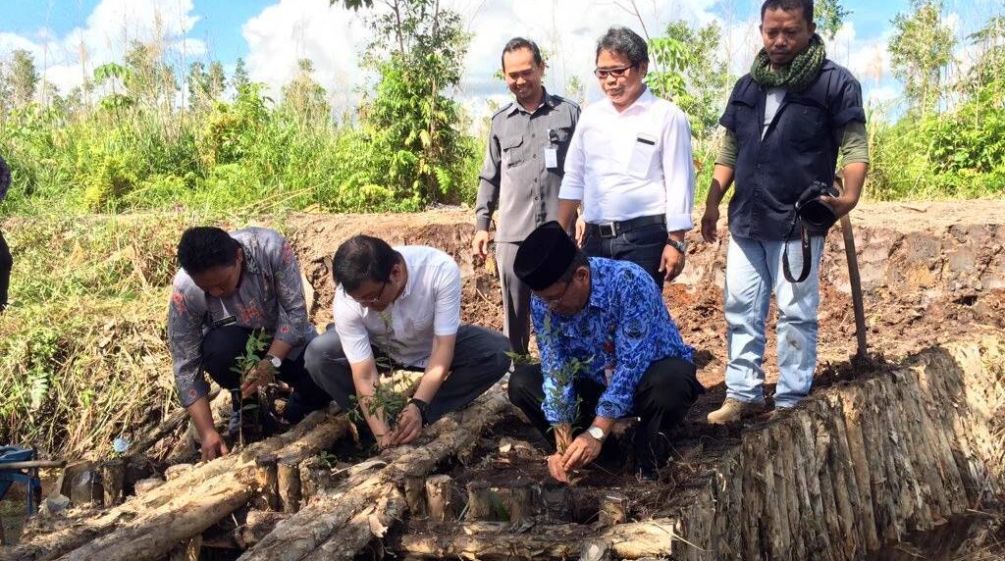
373 299
603 73
551 301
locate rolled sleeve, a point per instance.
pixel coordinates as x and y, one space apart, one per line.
573 180
846 106
447 313
184 330
292 317
678 172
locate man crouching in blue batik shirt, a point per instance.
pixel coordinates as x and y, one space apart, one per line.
608 350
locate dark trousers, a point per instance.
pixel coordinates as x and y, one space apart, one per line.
479 361
220 349
662 399
642 246
6 264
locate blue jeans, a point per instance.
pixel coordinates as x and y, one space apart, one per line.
753 272
642 246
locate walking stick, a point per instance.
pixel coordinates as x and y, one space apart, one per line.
853 278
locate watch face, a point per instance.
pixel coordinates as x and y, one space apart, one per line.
596 432
276 361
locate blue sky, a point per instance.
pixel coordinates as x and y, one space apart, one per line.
272 34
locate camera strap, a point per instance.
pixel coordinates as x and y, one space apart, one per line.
804 239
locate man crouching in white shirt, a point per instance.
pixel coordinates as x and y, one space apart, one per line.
402 304
630 164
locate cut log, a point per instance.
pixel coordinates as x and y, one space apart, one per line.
415 496
329 513
488 541
613 508
289 484
267 479
187 552
373 523
177 510
316 475
441 497
257 526
513 503
176 471
145 486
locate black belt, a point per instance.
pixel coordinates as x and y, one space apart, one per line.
615 229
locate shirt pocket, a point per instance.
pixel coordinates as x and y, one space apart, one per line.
644 151
806 123
514 151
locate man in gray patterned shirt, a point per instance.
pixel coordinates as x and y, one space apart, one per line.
521 175
231 285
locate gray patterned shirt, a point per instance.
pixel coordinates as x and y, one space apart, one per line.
269 296
519 178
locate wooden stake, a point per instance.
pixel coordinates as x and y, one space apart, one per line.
188 551
415 495
289 484
440 497
267 481
113 476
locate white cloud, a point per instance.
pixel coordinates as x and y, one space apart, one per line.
331 37
109 30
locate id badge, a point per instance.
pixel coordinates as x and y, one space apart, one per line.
551 157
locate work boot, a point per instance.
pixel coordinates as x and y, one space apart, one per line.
733 410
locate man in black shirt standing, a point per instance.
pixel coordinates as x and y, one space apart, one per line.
786 124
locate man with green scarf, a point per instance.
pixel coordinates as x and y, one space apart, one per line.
786 124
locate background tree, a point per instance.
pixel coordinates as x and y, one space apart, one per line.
688 67
830 16
23 78
240 79
417 51
304 96
920 50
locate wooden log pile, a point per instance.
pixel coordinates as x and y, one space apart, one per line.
856 466
153 524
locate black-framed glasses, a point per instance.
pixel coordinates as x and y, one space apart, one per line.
373 299
603 73
551 301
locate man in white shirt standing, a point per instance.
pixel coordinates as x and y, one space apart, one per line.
404 304
630 165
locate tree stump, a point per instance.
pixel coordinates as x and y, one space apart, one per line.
316 475
289 484
441 498
506 504
267 481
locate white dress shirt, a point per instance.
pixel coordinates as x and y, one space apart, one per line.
429 306
633 163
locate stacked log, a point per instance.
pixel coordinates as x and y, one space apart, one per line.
858 465
150 526
333 525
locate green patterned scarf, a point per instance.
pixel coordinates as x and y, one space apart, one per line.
795 76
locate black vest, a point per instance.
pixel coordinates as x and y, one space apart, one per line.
799 147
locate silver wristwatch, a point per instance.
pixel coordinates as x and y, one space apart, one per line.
680 246
275 360
597 433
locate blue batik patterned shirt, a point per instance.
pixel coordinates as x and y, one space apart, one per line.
624 328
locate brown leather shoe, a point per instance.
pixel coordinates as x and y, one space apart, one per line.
733 410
